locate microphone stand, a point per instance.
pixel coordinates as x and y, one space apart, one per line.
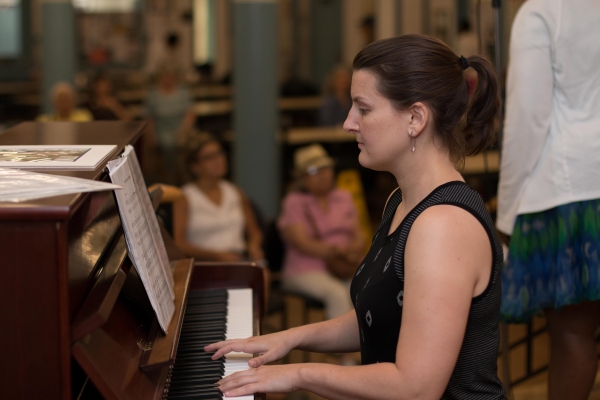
503 326
496 6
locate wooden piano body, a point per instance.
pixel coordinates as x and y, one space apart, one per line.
75 318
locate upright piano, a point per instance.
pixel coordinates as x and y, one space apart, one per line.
76 322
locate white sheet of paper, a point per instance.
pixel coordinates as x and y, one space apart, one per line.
17 185
159 244
140 241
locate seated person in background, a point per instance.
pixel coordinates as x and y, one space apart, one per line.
63 102
214 219
337 101
317 222
102 102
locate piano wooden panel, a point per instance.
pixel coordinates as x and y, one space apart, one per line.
49 250
67 288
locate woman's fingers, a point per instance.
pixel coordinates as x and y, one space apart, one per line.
268 348
262 359
266 379
240 347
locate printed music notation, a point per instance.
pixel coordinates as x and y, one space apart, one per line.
142 235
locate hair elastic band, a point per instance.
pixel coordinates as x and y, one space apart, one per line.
464 63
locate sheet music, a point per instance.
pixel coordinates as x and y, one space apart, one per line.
140 238
159 244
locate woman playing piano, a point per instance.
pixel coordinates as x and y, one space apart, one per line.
427 295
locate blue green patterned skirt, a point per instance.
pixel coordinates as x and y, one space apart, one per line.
553 261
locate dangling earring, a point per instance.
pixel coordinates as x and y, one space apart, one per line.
412 141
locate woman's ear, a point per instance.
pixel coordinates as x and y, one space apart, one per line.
419 117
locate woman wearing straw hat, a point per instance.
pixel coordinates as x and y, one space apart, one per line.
319 222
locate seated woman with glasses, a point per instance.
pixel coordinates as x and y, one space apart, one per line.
214 221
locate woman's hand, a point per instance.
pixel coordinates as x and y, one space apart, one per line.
228 257
271 347
264 379
505 239
255 253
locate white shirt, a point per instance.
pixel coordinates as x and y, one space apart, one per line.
215 227
551 145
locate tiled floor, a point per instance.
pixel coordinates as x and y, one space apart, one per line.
531 389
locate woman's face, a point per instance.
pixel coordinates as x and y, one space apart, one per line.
167 80
64 103
211 162
102 88
319 183
380 129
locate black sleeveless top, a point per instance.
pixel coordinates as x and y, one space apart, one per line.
378 293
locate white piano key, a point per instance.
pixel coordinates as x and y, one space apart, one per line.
240 318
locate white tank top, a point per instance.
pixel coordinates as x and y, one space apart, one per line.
215 227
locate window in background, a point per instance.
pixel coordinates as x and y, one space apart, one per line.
106 6
10 29
110 33
204 32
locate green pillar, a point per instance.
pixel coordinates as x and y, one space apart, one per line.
256 164
58 46
326 38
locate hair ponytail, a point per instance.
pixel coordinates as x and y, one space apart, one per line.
412 68
481 123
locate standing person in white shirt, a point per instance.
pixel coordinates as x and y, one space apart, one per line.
214 220
549 190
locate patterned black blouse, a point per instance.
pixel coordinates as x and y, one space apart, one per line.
378 294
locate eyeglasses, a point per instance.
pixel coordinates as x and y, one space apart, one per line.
313 170
211 156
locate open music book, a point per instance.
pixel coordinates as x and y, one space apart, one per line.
142 234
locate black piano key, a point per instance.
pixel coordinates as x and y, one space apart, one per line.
182 388
194 373
213 394
191 338
192 319
201 307
196 368
198 389
204 330
206 326
195 361
206 294
195 340
197 379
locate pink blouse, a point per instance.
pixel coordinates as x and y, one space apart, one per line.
336 226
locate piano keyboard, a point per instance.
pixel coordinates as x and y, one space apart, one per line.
210 316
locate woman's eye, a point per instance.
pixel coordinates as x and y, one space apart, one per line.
362 111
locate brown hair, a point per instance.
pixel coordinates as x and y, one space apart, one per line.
193 147
413 68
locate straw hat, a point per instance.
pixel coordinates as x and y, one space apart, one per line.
309 159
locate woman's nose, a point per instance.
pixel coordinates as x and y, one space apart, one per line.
349 125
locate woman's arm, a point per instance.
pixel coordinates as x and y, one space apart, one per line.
180 221
253 233
185 127
297 236
447 262
529 87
